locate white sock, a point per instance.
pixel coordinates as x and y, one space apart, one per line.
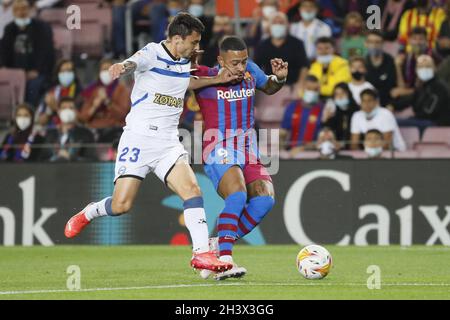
228 259
97 209
195 220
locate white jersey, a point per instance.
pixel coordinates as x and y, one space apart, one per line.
160 84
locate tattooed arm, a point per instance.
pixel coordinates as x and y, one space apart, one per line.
120 69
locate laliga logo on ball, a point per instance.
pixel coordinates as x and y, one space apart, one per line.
314 262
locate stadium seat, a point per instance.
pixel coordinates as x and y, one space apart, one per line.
437 152
89 39
54 16
12 91
437 134
409 154
404 114
270 108
411 135
63 41
305 155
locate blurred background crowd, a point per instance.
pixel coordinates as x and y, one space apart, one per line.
353 91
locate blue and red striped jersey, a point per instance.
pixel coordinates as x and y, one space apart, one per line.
229 108
303 123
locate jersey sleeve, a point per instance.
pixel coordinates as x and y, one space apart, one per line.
143 58
259 75
203 71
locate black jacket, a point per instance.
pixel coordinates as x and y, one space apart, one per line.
40 47
77 135
432 102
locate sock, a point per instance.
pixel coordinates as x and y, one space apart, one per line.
195 220
100 209
253 213
228 222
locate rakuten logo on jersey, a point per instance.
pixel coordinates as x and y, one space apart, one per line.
233 95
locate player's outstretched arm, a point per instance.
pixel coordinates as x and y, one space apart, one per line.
224 76
123 68
278 78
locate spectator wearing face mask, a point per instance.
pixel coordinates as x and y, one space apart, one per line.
284 46
66 84
423 15
28 44
302 119
310 28
390 21
197 9
338 120
405 64
68 137
353 38
358 83
222 27
381 72
329 68
106 104
374 144
431 98
327 145
17 145
259 29
373 116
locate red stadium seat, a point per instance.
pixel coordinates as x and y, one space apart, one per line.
435 152
306 155
54 16
63 41
410 154
271 108
405 114
411 135
437 134
89 39
12 90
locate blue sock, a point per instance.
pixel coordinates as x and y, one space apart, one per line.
253 213
228 222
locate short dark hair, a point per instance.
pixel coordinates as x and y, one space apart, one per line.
371 92
312 78
358 59
325 40
232 43
312 1
183 24
66 99
420 31
375 131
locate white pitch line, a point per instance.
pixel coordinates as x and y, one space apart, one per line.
175 286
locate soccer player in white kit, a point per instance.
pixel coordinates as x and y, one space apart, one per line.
150 140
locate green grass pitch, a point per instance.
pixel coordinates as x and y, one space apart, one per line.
163 272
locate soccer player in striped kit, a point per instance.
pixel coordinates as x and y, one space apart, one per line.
230 151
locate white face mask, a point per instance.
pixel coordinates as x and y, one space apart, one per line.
308 16
325 59
105 77
66 78
425 74
267 11
278 31
22 22
23 123
326 148
67 116
310 96
342 103
370 115
373 152
196 10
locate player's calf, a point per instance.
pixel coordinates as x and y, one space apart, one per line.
253 213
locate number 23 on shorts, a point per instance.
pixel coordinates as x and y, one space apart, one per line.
134 154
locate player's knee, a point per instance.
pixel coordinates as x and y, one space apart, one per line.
120 207
191 190
262 205
235 202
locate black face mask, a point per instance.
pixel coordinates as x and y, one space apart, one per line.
358 75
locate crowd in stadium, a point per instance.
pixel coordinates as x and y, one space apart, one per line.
350 87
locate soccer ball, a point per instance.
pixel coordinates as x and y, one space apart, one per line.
314 262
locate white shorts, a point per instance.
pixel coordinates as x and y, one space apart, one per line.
137 155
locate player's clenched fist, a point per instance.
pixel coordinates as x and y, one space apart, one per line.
116 70
226 76
279 68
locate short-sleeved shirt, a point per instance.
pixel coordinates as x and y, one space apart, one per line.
383 121
310 34
229 108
